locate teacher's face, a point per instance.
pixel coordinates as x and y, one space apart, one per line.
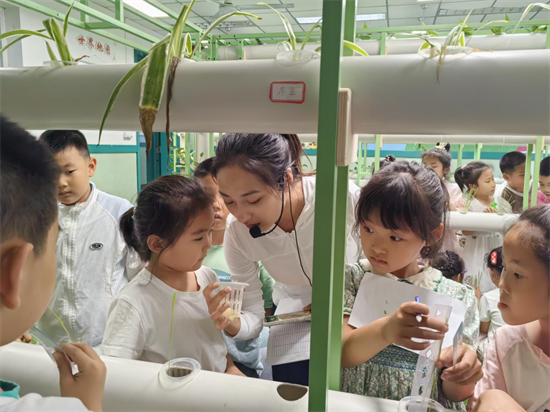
248 198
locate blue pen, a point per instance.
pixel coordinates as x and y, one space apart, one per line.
418 315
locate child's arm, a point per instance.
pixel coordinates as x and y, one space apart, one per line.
360 345
484 327
459 380
231 368
495 400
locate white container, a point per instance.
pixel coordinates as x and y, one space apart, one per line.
181 370
298 55
405 405
235 299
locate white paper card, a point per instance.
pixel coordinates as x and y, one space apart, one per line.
379 296
288 343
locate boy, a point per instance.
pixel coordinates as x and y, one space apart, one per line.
245 354
543 197
512 166
93 261
28 178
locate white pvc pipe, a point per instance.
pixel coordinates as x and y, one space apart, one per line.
501 93
135 386
458 139
397 46
481 222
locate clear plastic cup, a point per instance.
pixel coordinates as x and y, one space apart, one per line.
235 299
180 370
410 404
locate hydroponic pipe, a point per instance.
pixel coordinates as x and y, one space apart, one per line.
501 93
456 139
504 42
136 386
481 222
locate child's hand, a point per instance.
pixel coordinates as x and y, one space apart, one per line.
477 293
490 210
467 371
402 326
216 309
495 400
25 338
88 384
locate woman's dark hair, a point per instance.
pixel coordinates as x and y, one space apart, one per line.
469 174
165 207
493 259
534 226
440 154
406 195
388 160
267 156
449 263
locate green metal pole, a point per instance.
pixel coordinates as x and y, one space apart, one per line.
365 159
187 154
547 39
84 16
359 162
536 169
527 182
377 153
326 192
383 44
174 149
241 49
477 151
211 145
459 158
119 10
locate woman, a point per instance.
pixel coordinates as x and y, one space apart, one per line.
261 180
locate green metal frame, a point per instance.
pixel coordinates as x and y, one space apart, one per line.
539 146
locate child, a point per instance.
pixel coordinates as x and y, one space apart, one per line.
29 178
450 265
401 213
516 372
93 263
477 180
512 166
245 353
543 197
170 228
439 160
489 313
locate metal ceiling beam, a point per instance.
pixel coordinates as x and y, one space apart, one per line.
31 5
173 14
157 22
108 19
119 10
84 16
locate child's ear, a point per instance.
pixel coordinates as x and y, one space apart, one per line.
506 177
155 244
13 254
437 234
92 164
445 171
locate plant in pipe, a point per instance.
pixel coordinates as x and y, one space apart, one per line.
291 46
159 72
55 33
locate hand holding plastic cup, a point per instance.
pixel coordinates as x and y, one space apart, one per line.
235 299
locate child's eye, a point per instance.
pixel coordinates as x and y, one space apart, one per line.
395 238
70 172
227 202
368 229
199 239
253 203
518 276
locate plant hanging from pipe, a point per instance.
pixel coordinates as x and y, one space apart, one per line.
292 44
54 33
160 68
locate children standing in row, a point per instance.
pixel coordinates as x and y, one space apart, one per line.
28 231
93 263
477 180
170 228
516 370
400 214
512 166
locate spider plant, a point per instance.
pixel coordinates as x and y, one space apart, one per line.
55 33
171 328
470 196
292 44
159 72
62 324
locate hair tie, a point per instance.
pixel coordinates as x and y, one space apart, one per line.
494 258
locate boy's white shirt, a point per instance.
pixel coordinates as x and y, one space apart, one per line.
140 318
93 265
34 402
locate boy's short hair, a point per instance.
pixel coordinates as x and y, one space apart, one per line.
545 166
204 168
29 179
61 140
510 160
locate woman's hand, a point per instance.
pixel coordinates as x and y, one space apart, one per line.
459 380
216 309
402 326
490 210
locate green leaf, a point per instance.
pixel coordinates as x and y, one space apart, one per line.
365 26
66 20
527 11
286 23
506 18
22 32
188 43
117 91
171 327
176 44
52 55
425 45
52 26
534 29
310 32
62 324
7 46
355 48
221 19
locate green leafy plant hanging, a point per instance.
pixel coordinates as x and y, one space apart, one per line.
171 329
